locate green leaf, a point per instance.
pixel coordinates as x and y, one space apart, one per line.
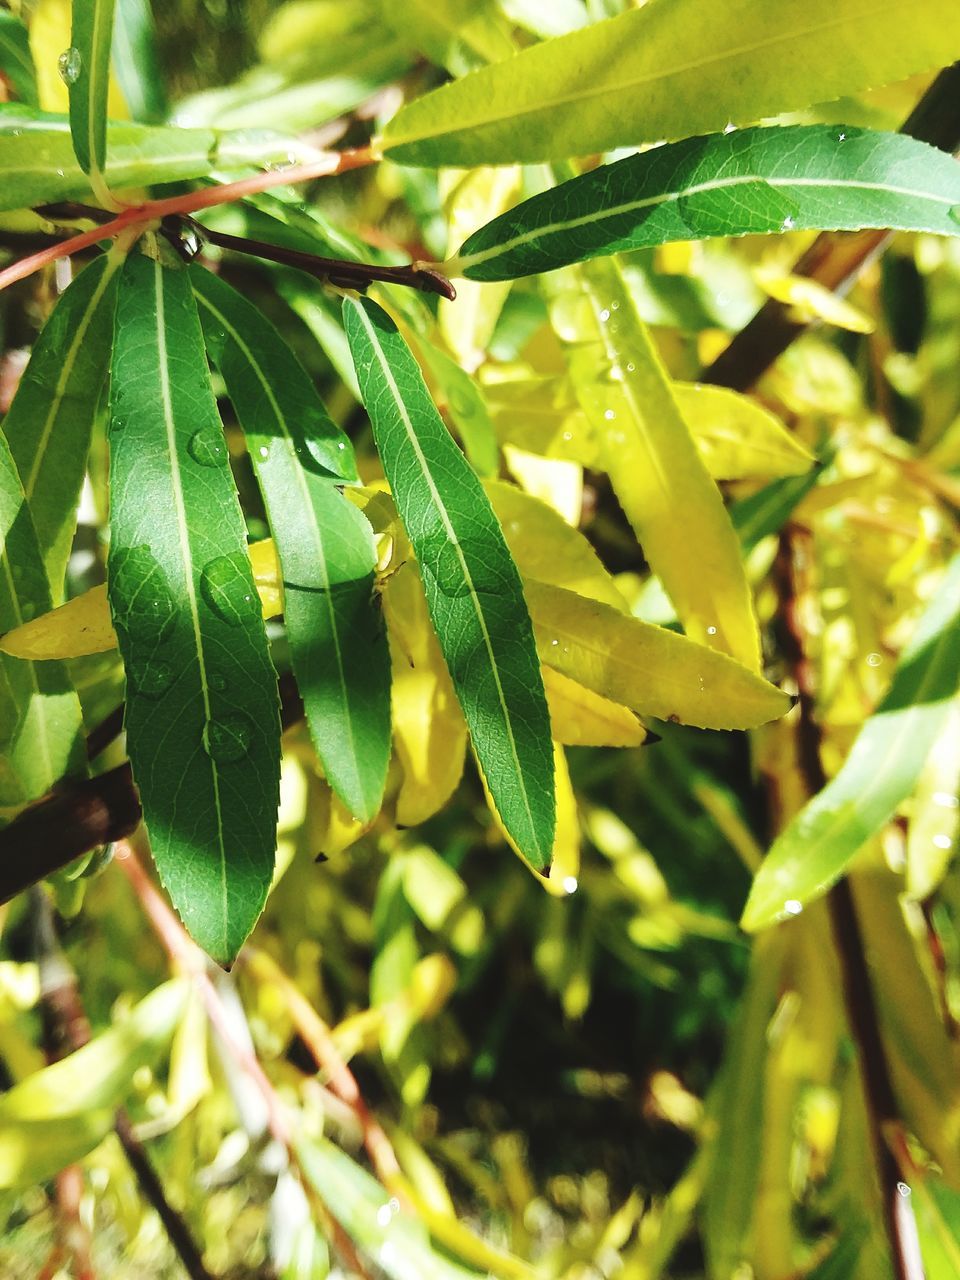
43 731
37 164
326 548
879 773
728 184
653 671
59 1114
657 473
669 70
16 62
471 582
135 60
51 418
85 67
201 712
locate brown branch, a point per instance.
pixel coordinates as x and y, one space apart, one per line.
881 1107
67 1028
835 258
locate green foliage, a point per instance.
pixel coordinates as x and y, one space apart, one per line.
326 465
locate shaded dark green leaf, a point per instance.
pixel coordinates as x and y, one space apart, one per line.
85 67
16 62
135 61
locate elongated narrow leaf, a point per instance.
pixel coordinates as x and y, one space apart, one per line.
43 728
326 549
136 62
50 420
16 63
471 582
880 771
669 70
85 67
60 1113
658 475
736 437
727 184
201 713
581 718
37 163
653 671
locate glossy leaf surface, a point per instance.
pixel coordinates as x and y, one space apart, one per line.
751 181
136 62
880 771
201 712
337 644
85 67
471 583
668 70
51 418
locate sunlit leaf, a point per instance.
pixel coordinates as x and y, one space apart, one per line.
736 437
581 718
653 671
472 585
187 616
666 71
880 771
50 421
325 544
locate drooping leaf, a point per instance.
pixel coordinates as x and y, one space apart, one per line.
880 771
581 718
42 729
136 62
337 645
658 476
50 420
16 63
667 71
736 437
56 1116
201 711
85 67
747 182
471 582
653 671
37 164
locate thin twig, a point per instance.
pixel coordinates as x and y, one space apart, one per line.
835 258
881 1107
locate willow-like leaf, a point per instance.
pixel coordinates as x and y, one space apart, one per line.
326 549
669 70
51 418
878 774
16 62
748 182
136 62
85 67
201 711
471 583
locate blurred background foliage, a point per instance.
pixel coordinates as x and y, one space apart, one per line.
608 1078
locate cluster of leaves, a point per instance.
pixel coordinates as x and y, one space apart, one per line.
429 603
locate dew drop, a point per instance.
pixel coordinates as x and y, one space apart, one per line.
943 841
631 367
609 415
954 213
614 306
319 454
263 451
841 137
570 884
70 64
228 738
117 422
903 1189
604 315
947 799
788 223
225 584
142 601
153 678
554 644
729 127
711 631
207 446
874 659
792 907
217 682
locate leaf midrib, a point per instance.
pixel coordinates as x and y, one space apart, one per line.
455 542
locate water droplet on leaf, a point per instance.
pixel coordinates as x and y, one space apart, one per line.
217 682
792 907
227 739
143 604
153 678
227 587
207 446
874 659
70 64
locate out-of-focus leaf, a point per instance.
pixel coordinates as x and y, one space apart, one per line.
16 64
667 71
753 181
37 164
880 771
136 62
546 18
471 583
658 476
768 510
85 67
58 1115
467 408
809 300
736 437
325 544
581 718
933 833
51 418
937 1209
76 629
186 612
458 34
43 732
653 671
